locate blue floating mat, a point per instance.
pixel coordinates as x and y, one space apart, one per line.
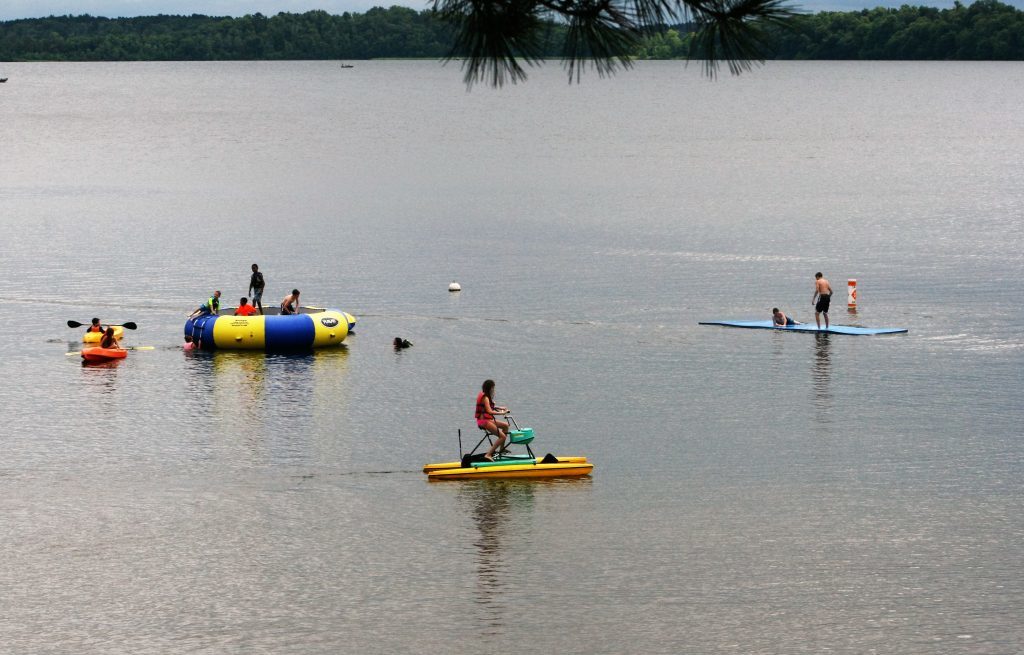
805 327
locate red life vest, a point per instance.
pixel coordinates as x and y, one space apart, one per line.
481 409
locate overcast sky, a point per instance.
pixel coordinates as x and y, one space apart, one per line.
10 9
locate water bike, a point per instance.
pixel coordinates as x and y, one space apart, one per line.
507 465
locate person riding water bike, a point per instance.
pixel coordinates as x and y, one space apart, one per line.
485 414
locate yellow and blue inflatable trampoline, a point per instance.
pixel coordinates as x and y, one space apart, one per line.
312 327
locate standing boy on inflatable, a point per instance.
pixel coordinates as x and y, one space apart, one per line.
820 299
256 284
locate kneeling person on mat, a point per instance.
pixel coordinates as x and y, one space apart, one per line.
780 319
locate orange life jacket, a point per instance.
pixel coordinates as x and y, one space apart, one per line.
481 408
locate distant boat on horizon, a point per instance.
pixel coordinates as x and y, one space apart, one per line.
2 80
347 66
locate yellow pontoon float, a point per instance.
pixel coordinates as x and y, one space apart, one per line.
507 465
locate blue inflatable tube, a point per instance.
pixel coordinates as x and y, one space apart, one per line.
312 328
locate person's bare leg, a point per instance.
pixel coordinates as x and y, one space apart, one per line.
495 446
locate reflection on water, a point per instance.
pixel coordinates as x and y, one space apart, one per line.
496 507
239 383
273 404
821 378
112 363
102 380
101 377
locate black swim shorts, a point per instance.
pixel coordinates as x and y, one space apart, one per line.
823 301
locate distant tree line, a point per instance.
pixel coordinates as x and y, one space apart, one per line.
395 32
984 30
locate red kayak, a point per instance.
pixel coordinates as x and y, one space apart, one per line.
98 354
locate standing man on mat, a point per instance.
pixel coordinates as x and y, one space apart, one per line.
256 284
821 298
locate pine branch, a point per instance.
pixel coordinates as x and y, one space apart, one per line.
497 36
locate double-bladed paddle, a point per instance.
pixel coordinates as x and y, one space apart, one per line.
128 325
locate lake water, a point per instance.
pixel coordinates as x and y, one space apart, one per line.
754 492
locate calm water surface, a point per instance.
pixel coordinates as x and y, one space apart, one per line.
755 492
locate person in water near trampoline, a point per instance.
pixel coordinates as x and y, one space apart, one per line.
244 308
95 326
290 304
485 413
781 320
211 306
256 285
108 340
821 298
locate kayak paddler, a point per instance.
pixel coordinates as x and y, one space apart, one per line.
108 340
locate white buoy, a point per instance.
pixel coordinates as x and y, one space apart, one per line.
455 286
851 294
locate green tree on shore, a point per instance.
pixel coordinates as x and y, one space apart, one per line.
984 30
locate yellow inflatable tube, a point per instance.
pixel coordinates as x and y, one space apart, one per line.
273 333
